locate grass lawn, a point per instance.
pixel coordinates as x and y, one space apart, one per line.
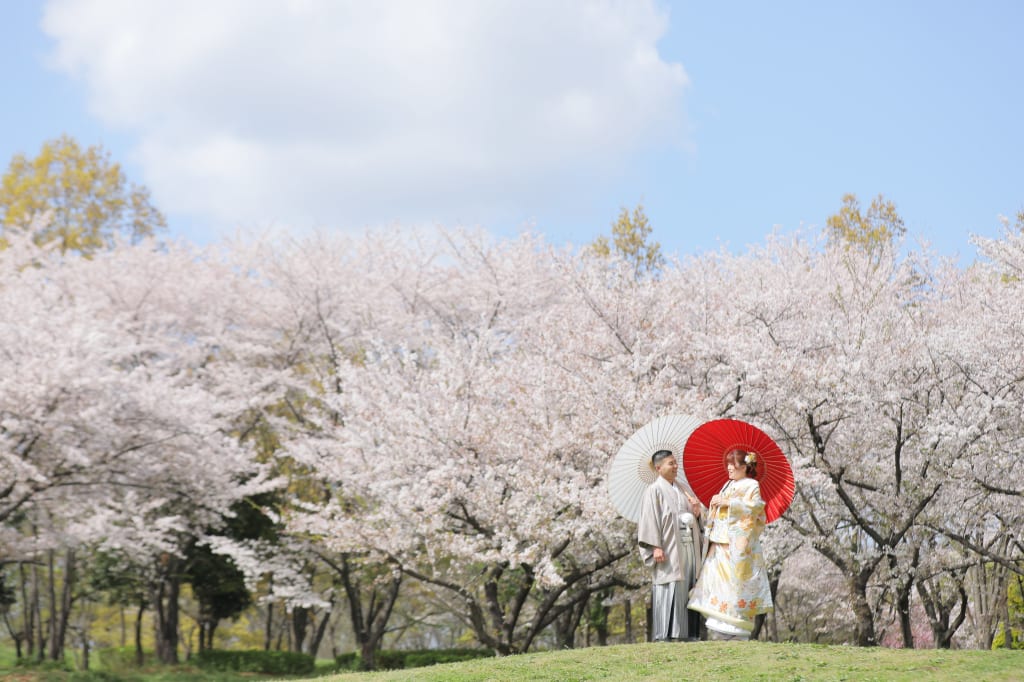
731 661
722 661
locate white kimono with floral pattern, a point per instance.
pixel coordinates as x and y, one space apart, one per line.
733 584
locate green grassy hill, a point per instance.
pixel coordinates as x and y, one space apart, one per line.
722 661
727 661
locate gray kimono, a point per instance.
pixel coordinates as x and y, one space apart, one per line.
667 521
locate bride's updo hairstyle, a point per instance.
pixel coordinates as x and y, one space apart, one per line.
742 458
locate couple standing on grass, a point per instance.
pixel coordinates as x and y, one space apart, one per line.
726 583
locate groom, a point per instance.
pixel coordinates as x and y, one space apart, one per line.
669 537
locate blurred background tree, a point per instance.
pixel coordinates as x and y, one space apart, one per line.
631 241
86 197
880 226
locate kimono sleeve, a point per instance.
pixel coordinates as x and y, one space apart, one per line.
648 530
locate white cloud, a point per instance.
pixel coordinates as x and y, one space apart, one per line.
349 113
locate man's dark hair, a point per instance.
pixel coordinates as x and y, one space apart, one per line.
658 456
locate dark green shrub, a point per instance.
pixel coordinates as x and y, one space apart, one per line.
387 659
418 659
270 662
349 661
391 659
395 659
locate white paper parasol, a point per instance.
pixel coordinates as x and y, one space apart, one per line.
631 471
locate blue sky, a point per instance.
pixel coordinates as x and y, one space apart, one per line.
727 120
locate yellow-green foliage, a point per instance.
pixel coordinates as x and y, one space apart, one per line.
113 626
631 239
86 195
617 620
1015 607
880 226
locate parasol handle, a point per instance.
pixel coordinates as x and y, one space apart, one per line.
713 508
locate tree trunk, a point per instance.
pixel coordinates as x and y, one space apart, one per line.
318 635
40 636
758 627
16 637
51 585
944 640
1007 630
139 655
865 624
597 615
903 609
63 610
165 607
904 588
28 613
268 630
368 655
602 627
207 628
939 609
567 624
368 627
988 589
85 649
300 624
375 623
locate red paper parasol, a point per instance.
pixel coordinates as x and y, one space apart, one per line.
704 462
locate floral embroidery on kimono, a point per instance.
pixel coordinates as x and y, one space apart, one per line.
733 584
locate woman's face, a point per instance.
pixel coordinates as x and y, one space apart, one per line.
736 472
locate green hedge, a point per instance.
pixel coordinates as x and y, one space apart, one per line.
349 661
393 659
417 659
258 661
390 659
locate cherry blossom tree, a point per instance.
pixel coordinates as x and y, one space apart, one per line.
117 421
838 352
457 447
508 358
439 409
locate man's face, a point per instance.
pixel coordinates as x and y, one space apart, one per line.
668 468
